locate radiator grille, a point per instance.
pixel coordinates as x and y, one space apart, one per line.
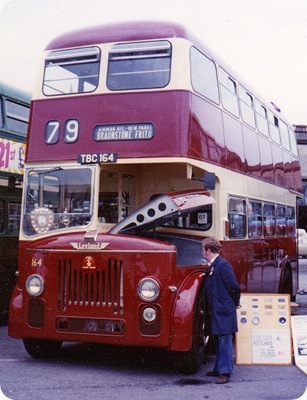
99 287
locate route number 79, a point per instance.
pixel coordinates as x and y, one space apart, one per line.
71 131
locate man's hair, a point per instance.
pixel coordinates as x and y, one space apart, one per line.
213 244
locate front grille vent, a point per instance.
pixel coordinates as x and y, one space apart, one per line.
99 287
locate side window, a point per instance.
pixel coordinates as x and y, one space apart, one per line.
17 117
262 118
2 219
254 219
269 219
281 221
247 107
293 142
291 225
284 133
237 217
229 94
14 210
274 127
204 75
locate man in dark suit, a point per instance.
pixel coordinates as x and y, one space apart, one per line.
222 297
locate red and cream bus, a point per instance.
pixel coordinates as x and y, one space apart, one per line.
141 144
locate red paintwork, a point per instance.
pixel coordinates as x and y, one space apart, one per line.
185 126
139 262
137 30
259 264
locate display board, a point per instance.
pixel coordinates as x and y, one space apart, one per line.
264 330
299 333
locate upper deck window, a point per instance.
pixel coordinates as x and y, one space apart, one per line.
284 133
247 107
229 93
293 142
204 76
274 127
262 118
71 71
140 65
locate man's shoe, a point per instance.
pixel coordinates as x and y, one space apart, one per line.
212 373
222 379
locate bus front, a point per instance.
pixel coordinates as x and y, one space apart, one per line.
79 280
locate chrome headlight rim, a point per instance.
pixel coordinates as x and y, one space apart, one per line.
148 289
35 281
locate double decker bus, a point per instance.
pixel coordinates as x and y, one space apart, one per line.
141 144
14 117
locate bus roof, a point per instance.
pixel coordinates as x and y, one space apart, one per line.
146 30
120 32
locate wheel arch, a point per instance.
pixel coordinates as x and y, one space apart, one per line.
182 323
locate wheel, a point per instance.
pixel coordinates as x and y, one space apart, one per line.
189 362
42 348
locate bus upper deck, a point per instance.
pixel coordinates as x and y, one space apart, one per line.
141 77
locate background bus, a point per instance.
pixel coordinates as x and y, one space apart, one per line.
14 117
128 124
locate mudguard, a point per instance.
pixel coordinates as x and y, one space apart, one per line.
183 314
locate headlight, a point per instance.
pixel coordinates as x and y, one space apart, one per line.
149 314
148 289
35 285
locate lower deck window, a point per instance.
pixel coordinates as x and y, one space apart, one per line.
237 217
264 219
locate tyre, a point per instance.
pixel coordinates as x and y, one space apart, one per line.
42 348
